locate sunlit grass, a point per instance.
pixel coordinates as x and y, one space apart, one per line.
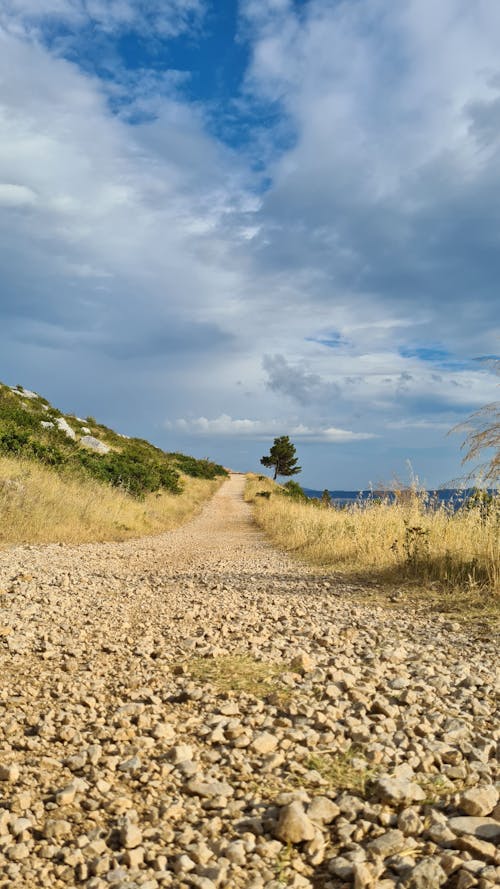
38 505
403 542
238 673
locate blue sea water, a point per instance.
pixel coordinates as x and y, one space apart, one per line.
453 497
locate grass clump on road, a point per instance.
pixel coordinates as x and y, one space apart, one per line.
237 673
406 541
341 772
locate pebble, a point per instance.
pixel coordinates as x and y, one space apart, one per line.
198 710
294 826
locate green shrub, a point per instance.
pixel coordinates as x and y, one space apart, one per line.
198 468
292 489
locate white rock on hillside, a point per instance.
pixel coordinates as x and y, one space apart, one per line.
88 441
25 393
64 426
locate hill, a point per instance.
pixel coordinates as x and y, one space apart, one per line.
66 478
32 428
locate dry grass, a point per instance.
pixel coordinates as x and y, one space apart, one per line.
398 543
342 772
38 505
238 673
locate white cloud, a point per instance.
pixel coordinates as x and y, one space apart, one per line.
226 425
138 250
167 18
16 195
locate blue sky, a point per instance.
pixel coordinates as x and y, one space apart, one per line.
221 222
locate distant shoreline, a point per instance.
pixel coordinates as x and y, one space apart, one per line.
442 495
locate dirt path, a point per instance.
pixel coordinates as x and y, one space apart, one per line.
197 710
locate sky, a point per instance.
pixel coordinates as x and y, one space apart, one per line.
225 221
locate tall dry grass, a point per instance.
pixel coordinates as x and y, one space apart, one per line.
396 542
38 505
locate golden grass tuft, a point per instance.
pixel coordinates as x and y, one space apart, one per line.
341 772
391 543
39 505
238 673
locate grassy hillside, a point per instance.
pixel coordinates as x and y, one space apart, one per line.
454 556
71 479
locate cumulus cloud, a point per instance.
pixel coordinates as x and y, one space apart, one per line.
301 241
259 429
16 195
163 17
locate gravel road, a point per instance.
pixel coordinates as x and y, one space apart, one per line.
197 710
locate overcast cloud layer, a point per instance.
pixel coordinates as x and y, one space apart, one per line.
312 248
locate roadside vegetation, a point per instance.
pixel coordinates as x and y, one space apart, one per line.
402 541
39 505
67 479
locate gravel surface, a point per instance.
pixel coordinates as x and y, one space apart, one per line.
196 710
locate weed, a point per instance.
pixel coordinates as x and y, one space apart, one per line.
238 673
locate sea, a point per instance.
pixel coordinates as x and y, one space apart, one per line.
452 497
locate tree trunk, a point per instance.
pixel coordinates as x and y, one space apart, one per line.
275 473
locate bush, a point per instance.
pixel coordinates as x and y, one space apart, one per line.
198 468
292 489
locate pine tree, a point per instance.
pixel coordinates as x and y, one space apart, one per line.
282 457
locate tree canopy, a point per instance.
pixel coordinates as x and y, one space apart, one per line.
282 457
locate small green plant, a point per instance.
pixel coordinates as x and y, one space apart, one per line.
326 498
238 672
292 489
340 771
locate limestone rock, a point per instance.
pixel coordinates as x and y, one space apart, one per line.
9 772
64 426
483 828
479 800
303 662
394 790
322 810
294 826
387 844
426 874
264 743
130 835
93 444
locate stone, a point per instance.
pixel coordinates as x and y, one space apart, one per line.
322 810
181 753
9 772
410 822
464 880
363 875
93 444
293 825
479 800
236 853
130 835
134 857
303 663
64 426
427 874
208 789
395 790
387 844
264 743
483 828
56 828
479 848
